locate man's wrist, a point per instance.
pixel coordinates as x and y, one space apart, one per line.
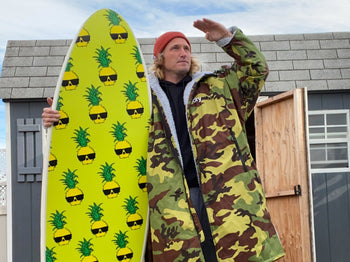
226 40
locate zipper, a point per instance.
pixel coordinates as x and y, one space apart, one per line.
238 149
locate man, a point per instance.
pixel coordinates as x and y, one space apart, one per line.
205 196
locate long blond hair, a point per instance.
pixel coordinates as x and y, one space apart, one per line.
157 66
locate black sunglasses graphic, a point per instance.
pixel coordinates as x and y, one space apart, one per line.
62 238
63 121
72 81
142 185
89 156
137 222
77 197
97 230
95 116
84 38
53 163
132 111
111 78
110 191
120 35
120 151
122 257
140 74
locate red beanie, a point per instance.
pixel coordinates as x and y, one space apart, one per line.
164 39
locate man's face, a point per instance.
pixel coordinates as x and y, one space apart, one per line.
177 57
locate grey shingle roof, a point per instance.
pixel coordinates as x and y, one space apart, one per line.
317 61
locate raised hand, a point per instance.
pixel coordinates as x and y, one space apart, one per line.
213 31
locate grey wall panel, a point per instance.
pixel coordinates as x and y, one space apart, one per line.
315 101
331 195
36 197
321 218
346 100
26 194
339 216
332 216
331 100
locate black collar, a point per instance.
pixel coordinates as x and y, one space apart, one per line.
181 83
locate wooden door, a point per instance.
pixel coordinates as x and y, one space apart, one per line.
281 156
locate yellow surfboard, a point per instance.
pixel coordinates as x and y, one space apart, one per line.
94 196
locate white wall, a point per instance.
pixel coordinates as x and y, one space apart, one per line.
3 223
3 207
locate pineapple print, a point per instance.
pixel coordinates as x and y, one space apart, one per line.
52 162
62 235
118 33
83 38
64 119
124 253
141 169
110 188
99 227
122 148
140 71
50 255
107 74
86 154
97 112
74 195
134 220
85 249
70 79
134 108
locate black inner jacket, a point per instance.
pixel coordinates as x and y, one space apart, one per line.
175 93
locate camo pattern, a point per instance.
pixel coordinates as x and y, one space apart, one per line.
218 106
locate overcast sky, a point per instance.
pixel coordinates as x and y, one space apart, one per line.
61 19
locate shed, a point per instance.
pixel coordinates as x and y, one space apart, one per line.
319 63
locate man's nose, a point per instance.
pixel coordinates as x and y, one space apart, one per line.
183 52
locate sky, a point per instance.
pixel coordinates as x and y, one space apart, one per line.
61 19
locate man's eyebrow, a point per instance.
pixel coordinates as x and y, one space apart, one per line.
178 45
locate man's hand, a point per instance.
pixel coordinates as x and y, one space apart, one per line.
50 115
213 30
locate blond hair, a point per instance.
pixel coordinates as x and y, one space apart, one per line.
157 66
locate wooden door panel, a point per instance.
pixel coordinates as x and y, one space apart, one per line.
281 156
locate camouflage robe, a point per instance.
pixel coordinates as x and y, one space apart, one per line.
218 105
